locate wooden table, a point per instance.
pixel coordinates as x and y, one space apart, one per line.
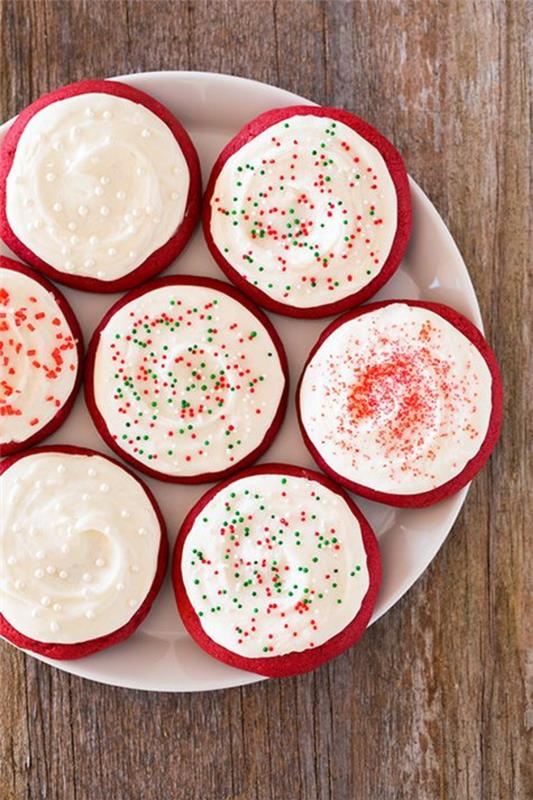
433 703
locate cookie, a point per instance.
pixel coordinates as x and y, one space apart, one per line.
83 553
276 571
308 210
41 351
401 402
100 186
186 379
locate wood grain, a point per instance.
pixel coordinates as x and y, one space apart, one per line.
434 703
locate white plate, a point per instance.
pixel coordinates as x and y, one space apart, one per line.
160 655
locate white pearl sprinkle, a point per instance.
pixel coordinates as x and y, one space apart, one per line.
83 211
63 574
104 487
54 626
134 568
74 239
58 507
95 160
57 146
72 226
57 607
89 112
174 196
132 602
128 218
104 180
98 191
148 209
89 614
85 496
61 469
51 570
104 211
28 202
65 548
50 177
45 601
139 171
39 554
125 514
145 133
89 262
74 131
91 472
156 220
142 531
120 587
39 573
136 212
87 577
100 273
107 115
121 195
19 584
100 562
111 251
69 266
11 561
93 240
132 254
35 612
86 592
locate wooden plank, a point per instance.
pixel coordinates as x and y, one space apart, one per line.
434 702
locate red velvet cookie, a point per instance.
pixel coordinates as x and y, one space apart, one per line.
83 555
100 186
41 350
401 402
308 210
186 379
276 571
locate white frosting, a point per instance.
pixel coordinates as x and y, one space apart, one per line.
275 564
187 379
398 400
38 357
98 183
78 548
306 211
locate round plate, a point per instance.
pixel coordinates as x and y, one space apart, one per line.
160 656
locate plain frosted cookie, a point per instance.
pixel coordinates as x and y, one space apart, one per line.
100 186
83 551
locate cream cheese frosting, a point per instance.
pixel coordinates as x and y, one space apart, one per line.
97 184
397 399
79 544
275 564
306 211
38 357
187 379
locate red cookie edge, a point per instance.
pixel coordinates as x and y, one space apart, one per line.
157 260
292 663
99 421
82 649
397 171
450 487
57 420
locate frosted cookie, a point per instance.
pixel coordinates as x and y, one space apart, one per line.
401 402
308 210
276 571
99 186
186 379
83 551
41 350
